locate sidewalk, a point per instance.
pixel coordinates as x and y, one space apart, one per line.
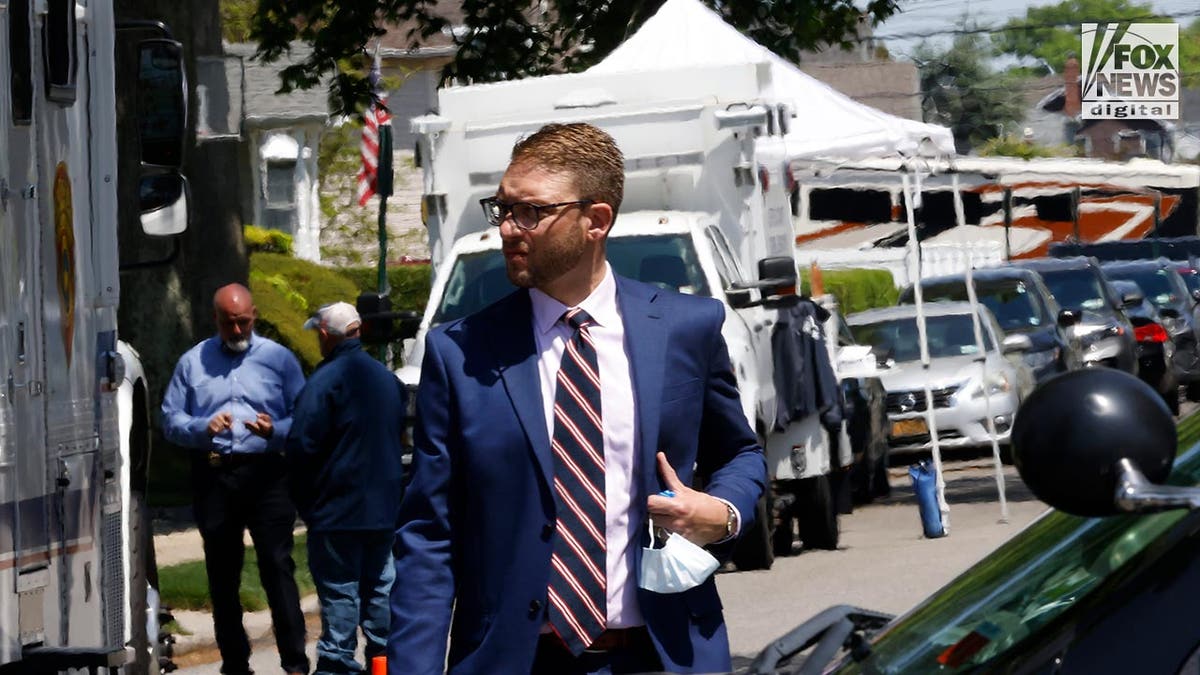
184 545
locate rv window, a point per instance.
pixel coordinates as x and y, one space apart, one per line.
21 84
58 46
851 205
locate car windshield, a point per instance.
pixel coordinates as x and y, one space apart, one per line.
1076 289
479 279
983 616
1009 299
948 335
1155 283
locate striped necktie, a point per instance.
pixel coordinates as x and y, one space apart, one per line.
578 581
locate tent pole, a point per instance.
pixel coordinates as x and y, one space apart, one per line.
910 195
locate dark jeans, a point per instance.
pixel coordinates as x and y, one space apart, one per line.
353 573
249 494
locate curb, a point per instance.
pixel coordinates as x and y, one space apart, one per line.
198 626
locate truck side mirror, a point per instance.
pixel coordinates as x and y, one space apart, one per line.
1091 442
163 199
375 310
162 102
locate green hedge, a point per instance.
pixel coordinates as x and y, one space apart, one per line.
856 289
286 291
410 284
261 239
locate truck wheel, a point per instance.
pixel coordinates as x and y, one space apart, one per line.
816 513
755 548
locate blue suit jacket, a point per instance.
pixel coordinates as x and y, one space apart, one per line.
475 535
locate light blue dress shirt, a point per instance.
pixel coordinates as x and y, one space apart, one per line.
210 379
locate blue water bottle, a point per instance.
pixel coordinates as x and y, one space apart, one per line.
924 482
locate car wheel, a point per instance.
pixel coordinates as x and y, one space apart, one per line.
816 513
785 531
1193 391
755 549
1172 398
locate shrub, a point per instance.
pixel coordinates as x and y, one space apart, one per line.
264 240
409 284
856 289
286 290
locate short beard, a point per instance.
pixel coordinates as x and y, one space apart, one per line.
554 258
237 346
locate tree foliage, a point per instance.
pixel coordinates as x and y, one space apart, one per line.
965 93
507 39
1051 32
236 18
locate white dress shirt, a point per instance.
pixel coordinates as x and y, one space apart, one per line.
625 506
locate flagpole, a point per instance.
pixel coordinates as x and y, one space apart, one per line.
383 187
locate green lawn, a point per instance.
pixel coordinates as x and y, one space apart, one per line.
185 586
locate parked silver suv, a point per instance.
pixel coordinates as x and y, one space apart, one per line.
967 384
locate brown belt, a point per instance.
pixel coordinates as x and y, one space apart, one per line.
619 638
219 460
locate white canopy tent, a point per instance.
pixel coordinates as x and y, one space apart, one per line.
828 123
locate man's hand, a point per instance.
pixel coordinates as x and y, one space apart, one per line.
220 422
696 516
261 426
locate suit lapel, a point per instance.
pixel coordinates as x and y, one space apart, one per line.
517 361
646 345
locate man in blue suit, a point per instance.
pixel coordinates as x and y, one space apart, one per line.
551 426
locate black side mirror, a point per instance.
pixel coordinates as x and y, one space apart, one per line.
739 297
1067 318
1196 294
1073 432
1132 299
162 102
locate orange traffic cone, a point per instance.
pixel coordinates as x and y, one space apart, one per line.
815 280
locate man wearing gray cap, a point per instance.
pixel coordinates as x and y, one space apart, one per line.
344 463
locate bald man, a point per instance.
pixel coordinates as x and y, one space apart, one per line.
230 401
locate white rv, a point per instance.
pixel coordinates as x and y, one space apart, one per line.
704 204
74 538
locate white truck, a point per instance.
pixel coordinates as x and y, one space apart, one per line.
705 210
76 560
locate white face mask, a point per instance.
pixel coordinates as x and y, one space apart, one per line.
676 567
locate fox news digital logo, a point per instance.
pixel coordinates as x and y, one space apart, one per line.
1130 71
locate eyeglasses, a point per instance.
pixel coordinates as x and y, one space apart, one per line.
525 215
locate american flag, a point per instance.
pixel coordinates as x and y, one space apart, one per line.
376 116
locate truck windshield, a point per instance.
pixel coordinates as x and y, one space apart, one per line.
980 619
669 261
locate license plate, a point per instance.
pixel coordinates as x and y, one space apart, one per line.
910 427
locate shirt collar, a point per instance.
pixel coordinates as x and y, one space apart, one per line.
601 305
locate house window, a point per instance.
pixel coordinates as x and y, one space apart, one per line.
280 210
21 83
281 185
58 40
